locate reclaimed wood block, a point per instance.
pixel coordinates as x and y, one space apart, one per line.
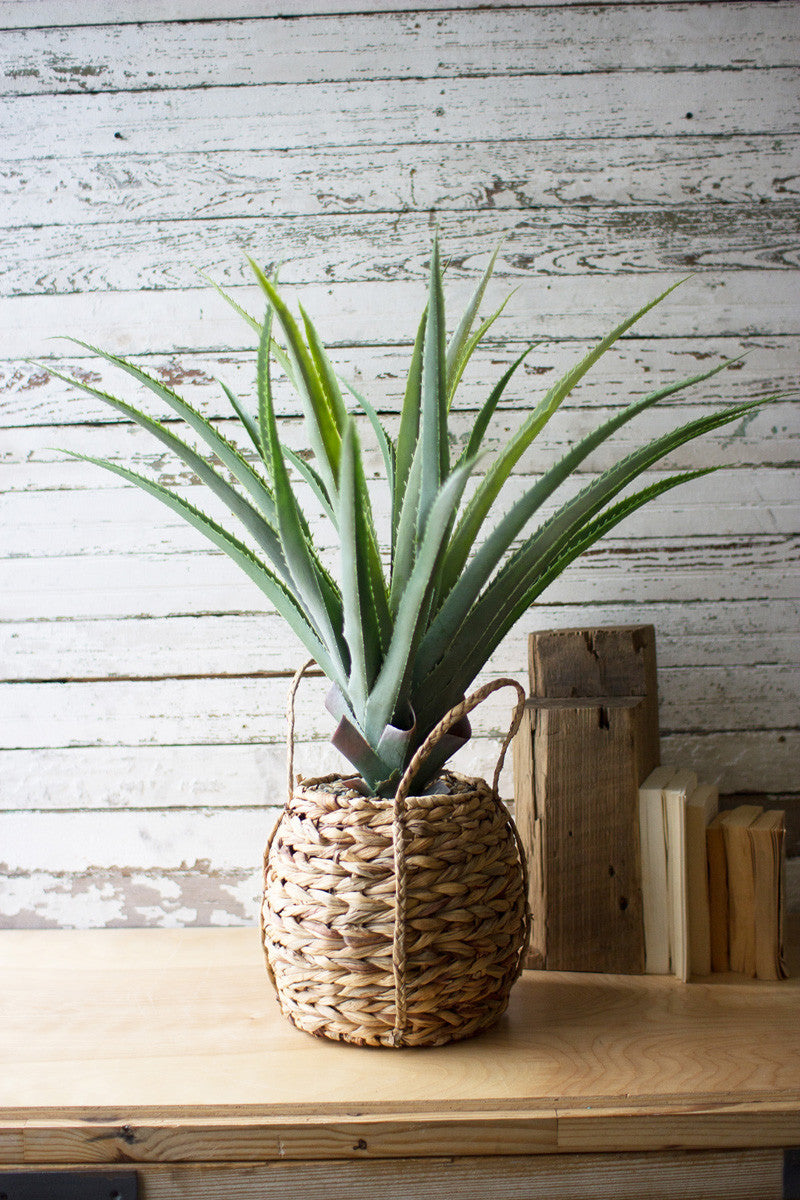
577 804
615 660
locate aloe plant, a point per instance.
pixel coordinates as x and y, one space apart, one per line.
400 633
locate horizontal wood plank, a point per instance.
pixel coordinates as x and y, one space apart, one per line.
222 710
708 634
749 304
344 249
504 1133
93 521
663 569
745 1175
35 459
382 45
23 14
465 176
29 397
383 112
147 777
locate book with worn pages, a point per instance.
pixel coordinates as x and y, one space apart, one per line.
717 894
701 808
767 836
741 887
676 793
653 848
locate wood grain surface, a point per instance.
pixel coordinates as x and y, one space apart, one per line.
615 147
163 1051
743 1175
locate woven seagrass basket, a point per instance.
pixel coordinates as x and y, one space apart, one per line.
397 922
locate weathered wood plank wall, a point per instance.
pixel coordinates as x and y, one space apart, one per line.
617 147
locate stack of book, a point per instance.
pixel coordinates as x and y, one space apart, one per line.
712 882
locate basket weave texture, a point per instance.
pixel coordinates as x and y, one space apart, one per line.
389 924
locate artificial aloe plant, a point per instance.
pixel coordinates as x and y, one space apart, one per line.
401 633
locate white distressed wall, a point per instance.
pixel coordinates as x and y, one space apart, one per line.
617 147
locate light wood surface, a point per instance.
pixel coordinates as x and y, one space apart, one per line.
168 1046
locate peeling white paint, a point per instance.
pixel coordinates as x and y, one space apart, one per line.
131 797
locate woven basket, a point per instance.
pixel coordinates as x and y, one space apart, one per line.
395 922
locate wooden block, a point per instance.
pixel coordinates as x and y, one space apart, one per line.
575 764
614 660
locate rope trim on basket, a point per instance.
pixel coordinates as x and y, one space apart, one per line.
400 832
290 699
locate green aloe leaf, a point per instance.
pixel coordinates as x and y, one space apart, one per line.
599 527
455 349
325 372
434 448
408 433
361 630
572 549
247 419
389 694
225 451
313 480
278 593
234 304
407 538
277 353
254 521
487 411
472 343
323 434
385 443
314 588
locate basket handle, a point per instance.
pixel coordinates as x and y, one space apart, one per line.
437 733
450 719
293 686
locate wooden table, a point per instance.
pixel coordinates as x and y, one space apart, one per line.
163 1053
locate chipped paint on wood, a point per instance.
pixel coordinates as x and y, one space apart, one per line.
605 241
17 14
400 45
752 304
383 112
464 176
141 684
29 397
113 898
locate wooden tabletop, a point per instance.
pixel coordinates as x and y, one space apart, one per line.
168 1045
